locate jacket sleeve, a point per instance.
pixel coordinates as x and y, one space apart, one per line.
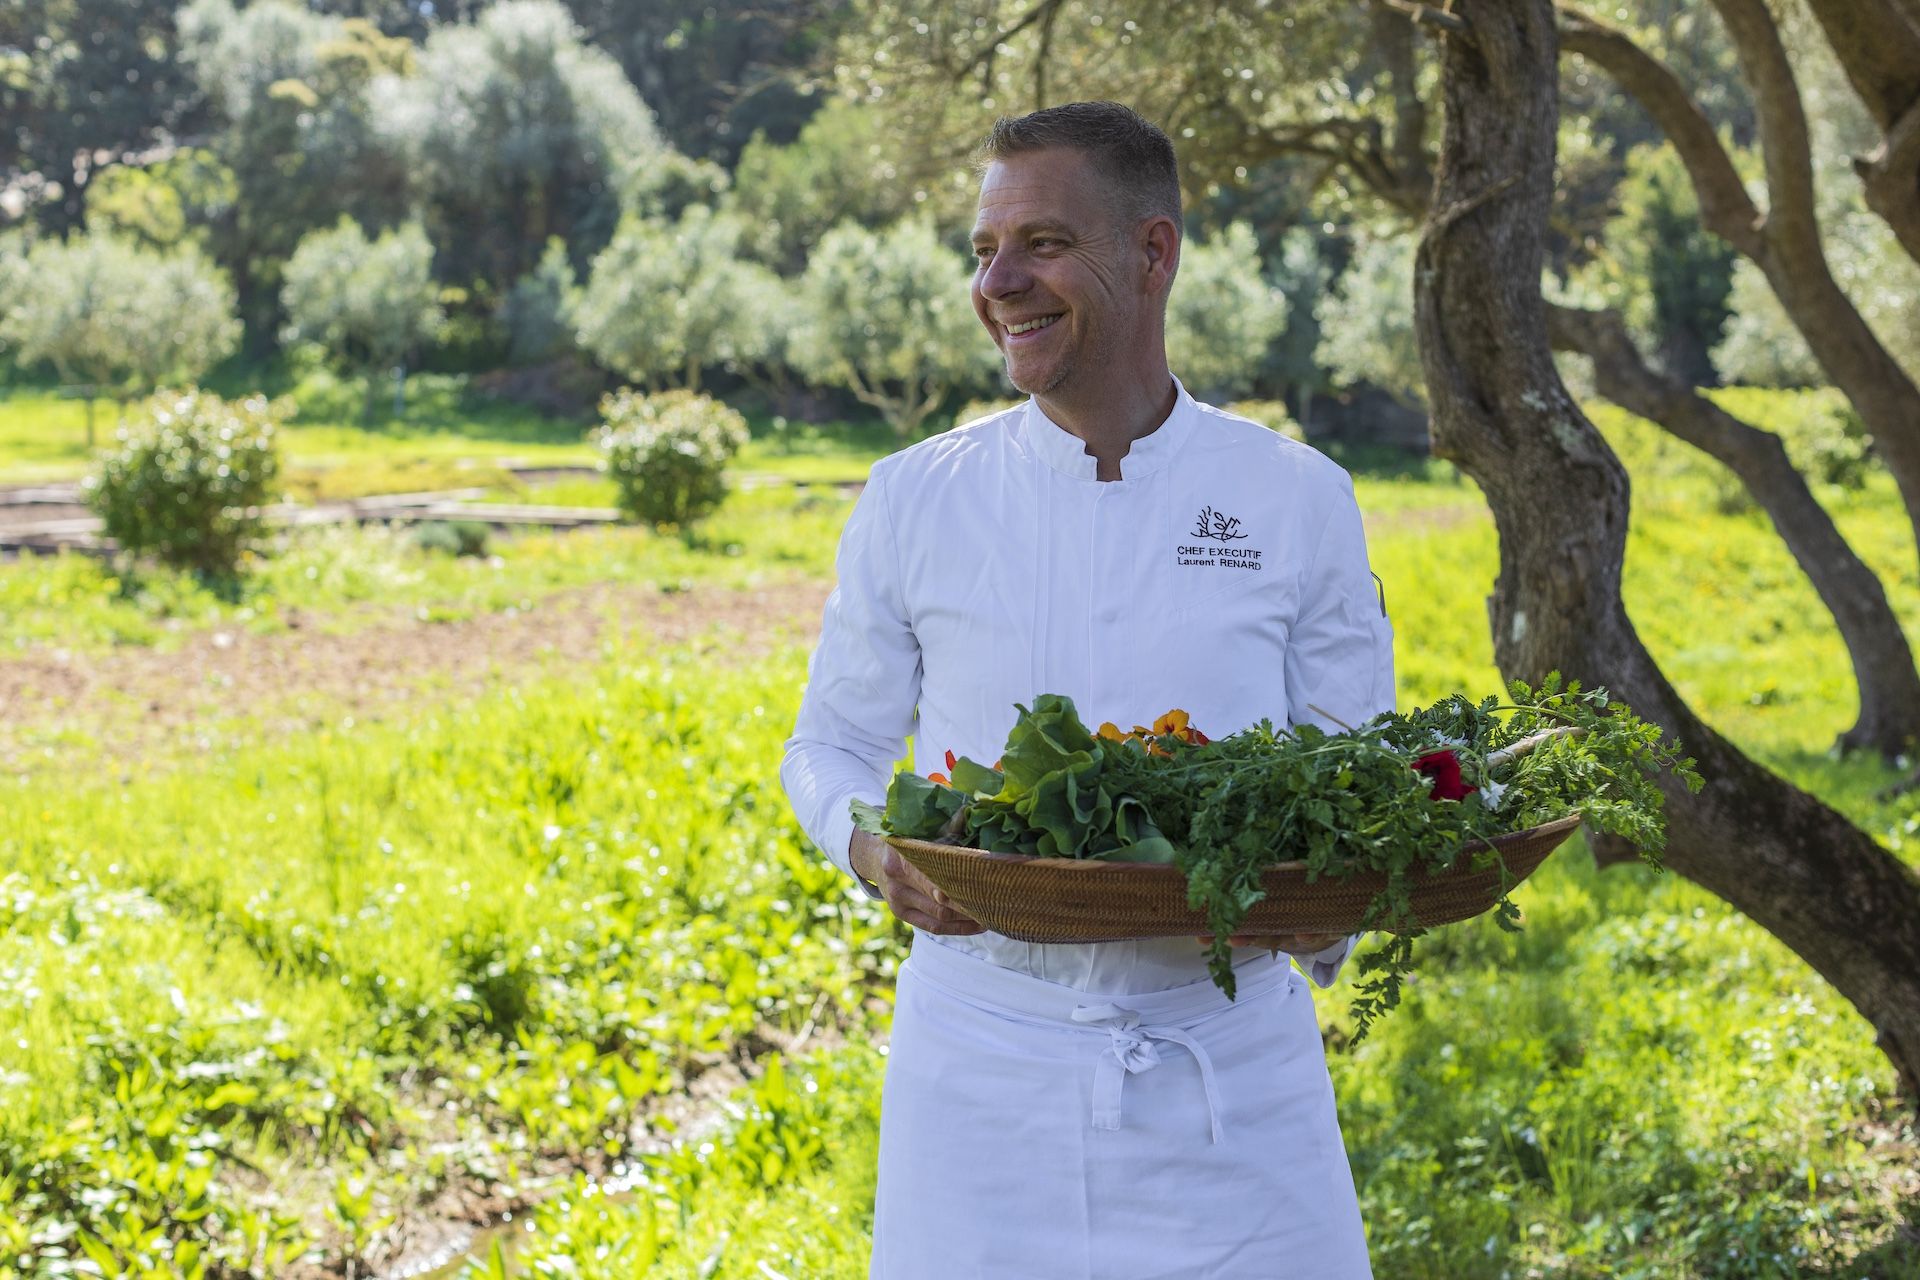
863 685
1339 664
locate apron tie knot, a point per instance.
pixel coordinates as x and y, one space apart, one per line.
1131 1049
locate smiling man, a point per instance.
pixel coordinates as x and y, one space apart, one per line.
1100 1111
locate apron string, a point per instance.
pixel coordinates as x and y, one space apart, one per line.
1131 1050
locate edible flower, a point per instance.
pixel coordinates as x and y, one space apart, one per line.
1174 724
941 778
1443 767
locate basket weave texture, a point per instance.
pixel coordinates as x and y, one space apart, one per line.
1087 900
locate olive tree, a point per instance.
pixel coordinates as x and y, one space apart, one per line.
368 304
514 129
666 301
116 318
887 317
1222 314
293 137
1366 328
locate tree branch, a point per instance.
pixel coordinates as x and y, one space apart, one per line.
1395 40
1891 179
1725 208
985 53
1783 120
1425 14
1879 48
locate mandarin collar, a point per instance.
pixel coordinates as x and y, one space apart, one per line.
1067 453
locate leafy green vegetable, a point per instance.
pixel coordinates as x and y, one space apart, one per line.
1360 800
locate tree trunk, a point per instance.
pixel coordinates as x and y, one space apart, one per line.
1882 660
1559 500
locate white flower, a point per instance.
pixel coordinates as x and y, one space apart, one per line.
1490 793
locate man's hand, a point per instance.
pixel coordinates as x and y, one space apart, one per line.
911 895
1294 944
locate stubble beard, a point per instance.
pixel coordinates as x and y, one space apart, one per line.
1060 374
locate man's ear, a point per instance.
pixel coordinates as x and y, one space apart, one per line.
1161 238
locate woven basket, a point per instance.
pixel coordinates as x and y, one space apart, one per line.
1076 900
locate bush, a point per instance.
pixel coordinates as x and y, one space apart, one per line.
1831 446
668 453
1271 414
453 537
185 478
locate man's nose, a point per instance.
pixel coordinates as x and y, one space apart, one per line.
1005 274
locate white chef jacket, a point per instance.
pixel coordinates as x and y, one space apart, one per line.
1224 573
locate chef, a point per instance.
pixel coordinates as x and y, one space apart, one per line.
1098 1111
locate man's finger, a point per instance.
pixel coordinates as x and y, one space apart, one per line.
901 871
916 908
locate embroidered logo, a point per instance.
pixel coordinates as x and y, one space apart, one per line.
1219 527
1211 526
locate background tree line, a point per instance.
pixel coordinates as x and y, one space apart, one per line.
224 137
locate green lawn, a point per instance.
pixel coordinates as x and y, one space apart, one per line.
446 430
475 944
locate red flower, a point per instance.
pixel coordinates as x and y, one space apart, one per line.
941 778
1443 767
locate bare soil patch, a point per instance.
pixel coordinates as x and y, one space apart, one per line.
134 706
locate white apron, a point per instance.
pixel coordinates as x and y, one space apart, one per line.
1032 1131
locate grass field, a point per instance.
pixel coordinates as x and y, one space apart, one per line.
283 1001
447 437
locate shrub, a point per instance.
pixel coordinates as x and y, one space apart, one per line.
453 537
185 478
1830 445
1269 413
668 453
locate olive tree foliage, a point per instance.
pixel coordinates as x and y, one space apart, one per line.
173 200
289 91
534 312
117 318
887 317
83 80
666 301
1366 321
841 168
1222 314
514 129
1653 261
1762 344
368 304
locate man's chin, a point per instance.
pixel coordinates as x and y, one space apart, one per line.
1037 382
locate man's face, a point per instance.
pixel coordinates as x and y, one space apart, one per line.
1049 247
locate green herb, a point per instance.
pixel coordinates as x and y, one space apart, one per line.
1341 802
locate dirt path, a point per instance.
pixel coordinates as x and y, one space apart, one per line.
133 706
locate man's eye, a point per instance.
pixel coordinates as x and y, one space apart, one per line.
1044 242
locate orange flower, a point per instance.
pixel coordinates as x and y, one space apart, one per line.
1174 724
941 778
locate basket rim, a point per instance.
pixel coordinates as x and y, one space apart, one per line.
1099 866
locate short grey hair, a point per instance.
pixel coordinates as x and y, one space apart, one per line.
1129 152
